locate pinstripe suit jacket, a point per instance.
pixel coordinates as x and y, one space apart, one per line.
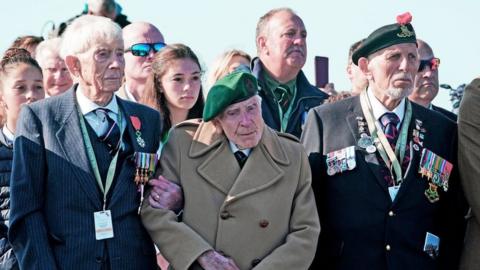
54 192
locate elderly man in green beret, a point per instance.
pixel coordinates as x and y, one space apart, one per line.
248 201
384 169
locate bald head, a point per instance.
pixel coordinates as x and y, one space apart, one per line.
424 50
141 32
138 68
426 80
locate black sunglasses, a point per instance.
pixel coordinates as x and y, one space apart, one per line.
432 63
143 49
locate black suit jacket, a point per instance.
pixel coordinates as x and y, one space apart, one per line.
358 218
54 192
450 115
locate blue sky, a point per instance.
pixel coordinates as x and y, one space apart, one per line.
211 26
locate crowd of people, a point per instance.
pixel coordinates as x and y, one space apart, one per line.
113 155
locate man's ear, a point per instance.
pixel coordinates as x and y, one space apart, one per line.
363 65
261 44
73 65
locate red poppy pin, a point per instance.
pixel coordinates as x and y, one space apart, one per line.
404 18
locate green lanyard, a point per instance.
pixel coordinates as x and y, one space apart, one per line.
93 160
381 141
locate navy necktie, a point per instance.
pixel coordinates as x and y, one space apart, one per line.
111 134
241 158
389 122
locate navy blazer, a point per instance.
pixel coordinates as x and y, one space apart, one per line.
361 227
54 192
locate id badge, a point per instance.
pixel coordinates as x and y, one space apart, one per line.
393 192
431 245
103 225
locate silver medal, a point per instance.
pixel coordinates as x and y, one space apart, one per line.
351 163
331 170
371 149
365 142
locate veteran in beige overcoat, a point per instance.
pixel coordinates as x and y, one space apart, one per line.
261 216
469 167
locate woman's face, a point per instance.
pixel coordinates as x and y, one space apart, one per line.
22 84
181 84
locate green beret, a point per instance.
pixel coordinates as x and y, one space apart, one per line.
386 36
233 88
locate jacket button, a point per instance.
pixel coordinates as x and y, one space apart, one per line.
264 223
391 214
388 248
99 259
255 262
225 215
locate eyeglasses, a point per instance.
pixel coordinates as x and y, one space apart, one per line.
432 63
143 49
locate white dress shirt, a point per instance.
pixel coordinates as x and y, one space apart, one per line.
88 107
379 109
235 148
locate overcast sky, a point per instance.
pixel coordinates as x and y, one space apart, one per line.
211 26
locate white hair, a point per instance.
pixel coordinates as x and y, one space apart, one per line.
86 31
49 48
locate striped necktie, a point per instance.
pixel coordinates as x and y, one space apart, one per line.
110 133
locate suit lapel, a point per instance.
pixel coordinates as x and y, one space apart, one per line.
371 159
68 136
412 168
127 173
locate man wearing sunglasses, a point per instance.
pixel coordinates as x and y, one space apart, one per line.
426 81
141 41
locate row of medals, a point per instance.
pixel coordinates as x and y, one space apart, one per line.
365 141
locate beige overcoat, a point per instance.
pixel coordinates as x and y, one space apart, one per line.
263 216
469 167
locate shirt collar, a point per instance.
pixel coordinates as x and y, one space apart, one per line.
273 84
87 106
234 148
129 94
379 109
8 134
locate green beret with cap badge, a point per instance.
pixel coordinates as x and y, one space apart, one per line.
230 89
386 36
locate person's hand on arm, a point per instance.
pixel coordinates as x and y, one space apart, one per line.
213 260
165 194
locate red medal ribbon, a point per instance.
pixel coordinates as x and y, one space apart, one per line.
136 122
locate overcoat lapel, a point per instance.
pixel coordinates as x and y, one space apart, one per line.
261 170
70 139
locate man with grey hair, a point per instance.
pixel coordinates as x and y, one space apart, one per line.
281 40
79 162
426 81
226 210
384 169
56 78
357 78
142 40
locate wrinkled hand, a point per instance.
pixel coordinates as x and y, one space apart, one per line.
165 194
212 260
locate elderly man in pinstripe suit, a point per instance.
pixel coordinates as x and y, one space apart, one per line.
74 201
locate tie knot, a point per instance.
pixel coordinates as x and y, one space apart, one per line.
389 118
241 157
